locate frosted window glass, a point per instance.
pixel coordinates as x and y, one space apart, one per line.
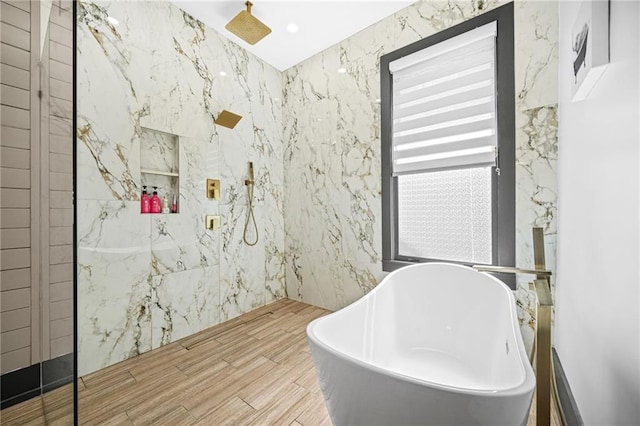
446 215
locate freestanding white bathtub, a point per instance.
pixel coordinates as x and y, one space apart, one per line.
432 344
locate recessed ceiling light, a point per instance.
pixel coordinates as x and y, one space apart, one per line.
222 73
342 70
112 20
292 27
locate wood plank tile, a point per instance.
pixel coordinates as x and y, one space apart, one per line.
282 410
209 334
238 358
269 388
172 397
224 375
96 383
193 360
309 381
177 416
111 401
315 413
230 413
58 405
207 398
167 352
298 344
28 412
119 419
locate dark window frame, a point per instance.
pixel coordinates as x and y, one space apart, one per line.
503 186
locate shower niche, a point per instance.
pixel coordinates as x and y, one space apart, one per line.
160 163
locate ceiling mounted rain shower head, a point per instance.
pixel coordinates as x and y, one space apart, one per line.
248 27
227 119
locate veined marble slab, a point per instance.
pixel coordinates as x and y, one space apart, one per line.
332 149
314 138
161 69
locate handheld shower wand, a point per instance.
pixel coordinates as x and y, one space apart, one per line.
250 183
251 179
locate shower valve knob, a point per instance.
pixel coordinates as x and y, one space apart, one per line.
213 189
212 222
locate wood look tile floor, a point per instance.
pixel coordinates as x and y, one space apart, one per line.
253 370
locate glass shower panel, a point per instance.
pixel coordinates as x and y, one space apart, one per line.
37 212
56 210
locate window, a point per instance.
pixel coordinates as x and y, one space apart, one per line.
448 154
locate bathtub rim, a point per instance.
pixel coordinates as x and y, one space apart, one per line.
525 386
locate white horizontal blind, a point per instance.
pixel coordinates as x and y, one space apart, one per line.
444 105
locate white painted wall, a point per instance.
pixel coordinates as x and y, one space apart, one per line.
597 329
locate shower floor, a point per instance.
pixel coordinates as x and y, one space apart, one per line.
254 369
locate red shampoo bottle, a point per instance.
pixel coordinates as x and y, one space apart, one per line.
156 205
145 201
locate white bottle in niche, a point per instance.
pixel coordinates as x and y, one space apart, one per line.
165 204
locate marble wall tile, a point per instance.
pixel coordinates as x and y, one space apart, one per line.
183 303
536 171
251 275
536 33
180 241
314 138
161 151
108 143
332 162
161 69
114 321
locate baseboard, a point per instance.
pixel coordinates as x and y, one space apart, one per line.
569 406
20 385
29 382
57 372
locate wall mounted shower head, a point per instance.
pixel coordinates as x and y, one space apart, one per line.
248 27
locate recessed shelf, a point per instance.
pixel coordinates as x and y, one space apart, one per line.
159 163
158 172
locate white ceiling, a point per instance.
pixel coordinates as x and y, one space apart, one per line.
321 23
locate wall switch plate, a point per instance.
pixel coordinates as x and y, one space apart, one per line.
212 222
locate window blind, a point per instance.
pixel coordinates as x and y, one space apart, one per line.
444 105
